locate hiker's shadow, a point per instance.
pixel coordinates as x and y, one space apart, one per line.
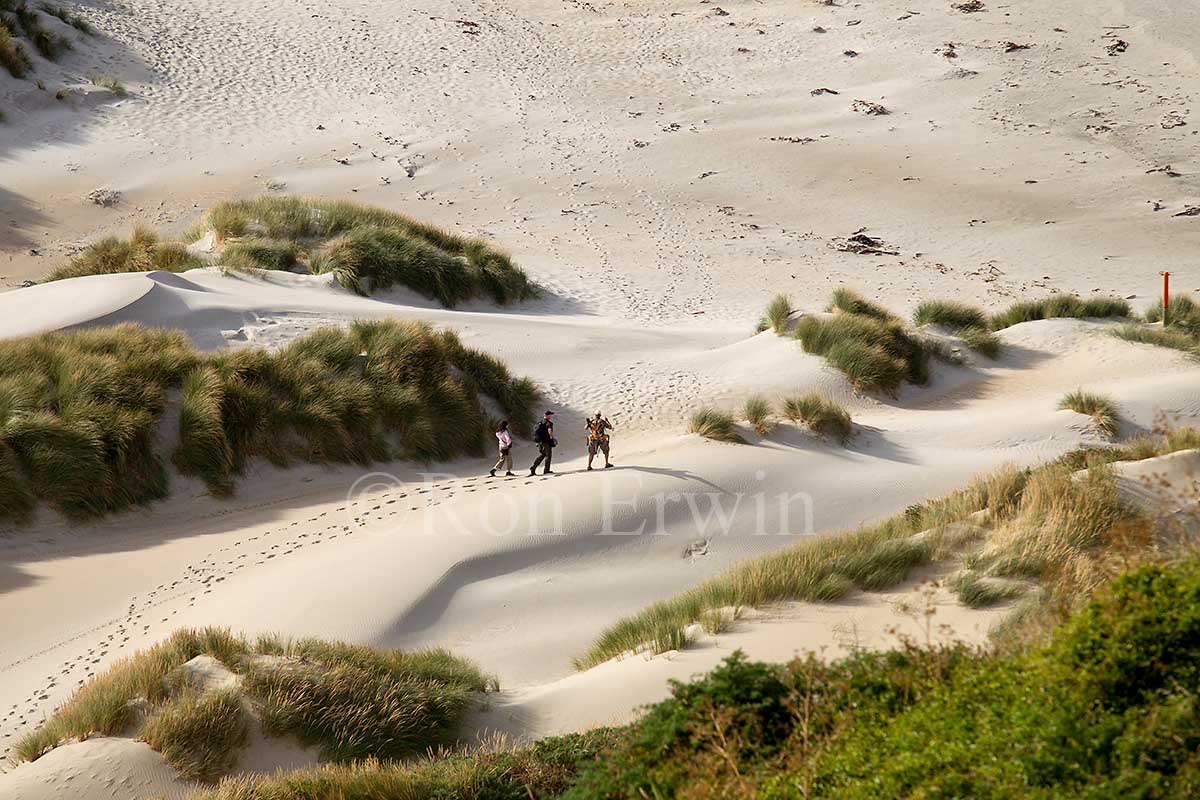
678 474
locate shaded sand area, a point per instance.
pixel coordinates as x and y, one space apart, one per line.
660 170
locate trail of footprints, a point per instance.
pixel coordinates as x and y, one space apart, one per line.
201 578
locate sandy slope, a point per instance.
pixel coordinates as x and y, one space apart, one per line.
630 156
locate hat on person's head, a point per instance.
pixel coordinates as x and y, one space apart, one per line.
548 413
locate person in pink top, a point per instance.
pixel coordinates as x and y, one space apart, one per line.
505 440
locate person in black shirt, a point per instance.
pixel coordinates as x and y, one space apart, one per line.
543 437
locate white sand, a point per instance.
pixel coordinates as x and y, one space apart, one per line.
531 132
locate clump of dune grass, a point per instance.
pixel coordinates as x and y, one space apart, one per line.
109 82
369 249
820 415
141 252
950 314
978 591
200 735
1065 532
967 322
1102 410
255 253
758 413
817 569
1182 313
851 302
80 410
981 340
868 344
779 310
13 56
1159 337
1060 305
49 44
74 20
712 423
352 702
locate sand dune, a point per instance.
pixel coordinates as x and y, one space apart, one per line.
661 170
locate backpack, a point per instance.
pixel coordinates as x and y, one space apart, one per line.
542 434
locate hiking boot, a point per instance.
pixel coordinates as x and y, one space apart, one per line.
589 469
492 473
609 466
532 471
547 472
509 474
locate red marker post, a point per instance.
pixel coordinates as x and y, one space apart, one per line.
1166 295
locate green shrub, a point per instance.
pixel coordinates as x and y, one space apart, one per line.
819 414
714 424
1102 410
142 252
779 310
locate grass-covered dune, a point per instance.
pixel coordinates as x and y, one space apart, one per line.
25 27
366 248
878 351
348 701
81 412
1044 533
1104 706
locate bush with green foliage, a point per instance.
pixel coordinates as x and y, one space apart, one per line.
79 409
1182 331
1107 707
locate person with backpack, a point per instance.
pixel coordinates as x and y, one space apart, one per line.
597 440
506 442
543 437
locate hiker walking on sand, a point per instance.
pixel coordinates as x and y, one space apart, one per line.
543 436
505 440
598 427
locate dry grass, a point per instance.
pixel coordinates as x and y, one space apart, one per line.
949 314
712 423
759 414
352 702
1067 535
779 310
873 353
13 56
142 252
1060 305
1102 410
109 82
820 415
